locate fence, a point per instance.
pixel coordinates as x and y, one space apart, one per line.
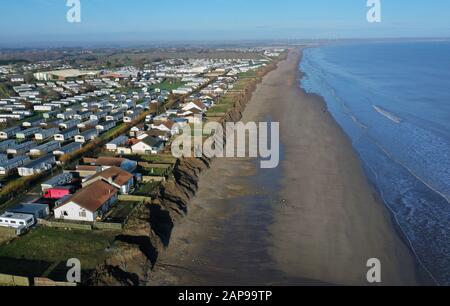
56 224
148 179
7 232
108 226
12 280
132 198
45 282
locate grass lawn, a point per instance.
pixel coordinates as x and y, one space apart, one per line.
43 247
121 211
158 159
219 109
168 85
146 189
153 171
247 75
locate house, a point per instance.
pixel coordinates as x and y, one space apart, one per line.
194 105
67 134
117 142
86 171
38 211
37 166
86 136
10 132
164 136
45 148
117 177
67 149
167 126
44 134
148 145
193 116
89 204
11 164
130 117
134 131
107 162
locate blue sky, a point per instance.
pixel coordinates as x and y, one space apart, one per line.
28 21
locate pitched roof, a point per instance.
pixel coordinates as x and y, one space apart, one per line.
168 124
93 196
116 175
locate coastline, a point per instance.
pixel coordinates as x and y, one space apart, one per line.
312 221
313 205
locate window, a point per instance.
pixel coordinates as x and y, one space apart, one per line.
13 222
21 223
83 214
65 214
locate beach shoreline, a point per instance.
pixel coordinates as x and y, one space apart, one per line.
322 225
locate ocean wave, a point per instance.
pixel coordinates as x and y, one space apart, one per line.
387 114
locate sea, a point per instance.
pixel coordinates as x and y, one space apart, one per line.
393 101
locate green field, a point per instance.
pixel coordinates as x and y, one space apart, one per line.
168 85
44 247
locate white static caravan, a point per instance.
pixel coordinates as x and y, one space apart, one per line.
5 145
22 148
70 124
37 166
66 115
99 115
10 132
20 222
59 180
70 148
83 115
130 117
67 134
45 134
45 148
117 142
33 123
115 117
11 164
28 133
105 126
86 124
86 136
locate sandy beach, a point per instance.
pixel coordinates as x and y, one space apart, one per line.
314 220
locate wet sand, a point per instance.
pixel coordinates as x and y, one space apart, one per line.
313 220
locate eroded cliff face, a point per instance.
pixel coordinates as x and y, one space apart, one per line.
135 252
